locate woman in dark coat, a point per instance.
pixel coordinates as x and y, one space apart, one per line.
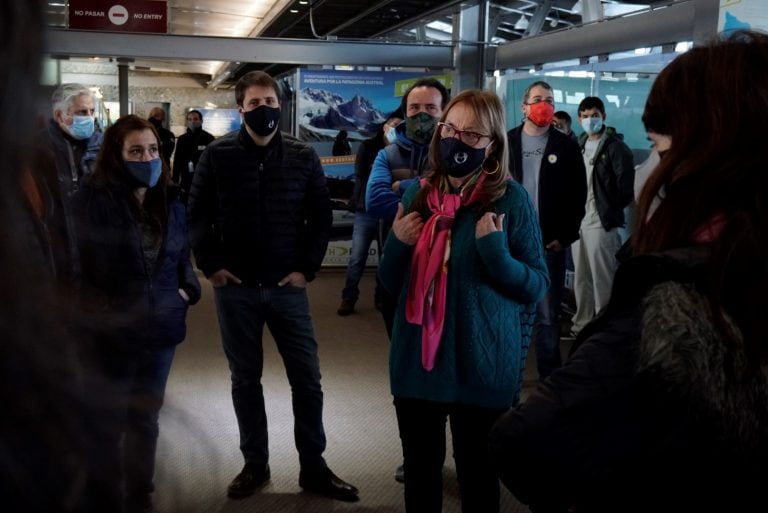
663 404
137 282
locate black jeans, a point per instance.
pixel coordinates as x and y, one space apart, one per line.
422 432
546 330
243 312
128 388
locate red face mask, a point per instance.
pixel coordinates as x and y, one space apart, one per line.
541 113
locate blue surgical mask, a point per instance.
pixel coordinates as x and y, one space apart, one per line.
145 173
592 125
82 127
391 135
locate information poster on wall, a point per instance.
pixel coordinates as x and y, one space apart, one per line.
355 101
742 14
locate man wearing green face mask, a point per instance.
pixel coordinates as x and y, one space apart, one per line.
396 168
400 164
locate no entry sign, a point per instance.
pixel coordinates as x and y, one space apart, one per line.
128 15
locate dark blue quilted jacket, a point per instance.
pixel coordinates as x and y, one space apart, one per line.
121 301
259 212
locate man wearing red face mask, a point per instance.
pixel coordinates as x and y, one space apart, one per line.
549 166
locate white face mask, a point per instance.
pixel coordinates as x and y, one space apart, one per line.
391 135
592 125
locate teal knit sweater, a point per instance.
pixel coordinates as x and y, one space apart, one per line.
494 284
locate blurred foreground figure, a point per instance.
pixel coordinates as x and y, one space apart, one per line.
663 405
42 461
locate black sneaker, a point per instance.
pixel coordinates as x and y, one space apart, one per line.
248 481
325 482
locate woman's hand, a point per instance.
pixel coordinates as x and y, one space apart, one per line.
407 228
489 223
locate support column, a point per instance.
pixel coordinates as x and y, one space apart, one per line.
470 33
122 83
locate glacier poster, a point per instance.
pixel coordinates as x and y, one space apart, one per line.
355 101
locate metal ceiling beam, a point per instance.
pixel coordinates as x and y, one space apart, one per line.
360 16
426 15
81 43
538 18
670 24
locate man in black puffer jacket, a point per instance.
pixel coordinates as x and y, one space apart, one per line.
259 223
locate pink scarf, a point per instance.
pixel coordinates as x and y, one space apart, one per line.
425 303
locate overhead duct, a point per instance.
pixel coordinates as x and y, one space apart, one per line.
673 23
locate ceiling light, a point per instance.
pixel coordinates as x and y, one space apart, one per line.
522 23
294 11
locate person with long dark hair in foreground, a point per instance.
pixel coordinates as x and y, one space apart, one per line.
663 404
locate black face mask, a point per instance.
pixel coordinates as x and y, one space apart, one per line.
263 120
458 158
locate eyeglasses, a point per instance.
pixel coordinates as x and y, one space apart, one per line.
550 101
466 136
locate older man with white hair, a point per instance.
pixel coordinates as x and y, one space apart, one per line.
71 142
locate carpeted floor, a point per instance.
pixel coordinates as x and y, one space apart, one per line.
198 451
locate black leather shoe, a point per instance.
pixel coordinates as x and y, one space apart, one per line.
346 307
247 481
325 482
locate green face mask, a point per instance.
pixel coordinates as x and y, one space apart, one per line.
420 127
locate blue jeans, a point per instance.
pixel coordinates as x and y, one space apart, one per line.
124 442
242 313
364 231
546 330
422 433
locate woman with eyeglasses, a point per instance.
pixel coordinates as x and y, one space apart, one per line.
137 282
465 259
